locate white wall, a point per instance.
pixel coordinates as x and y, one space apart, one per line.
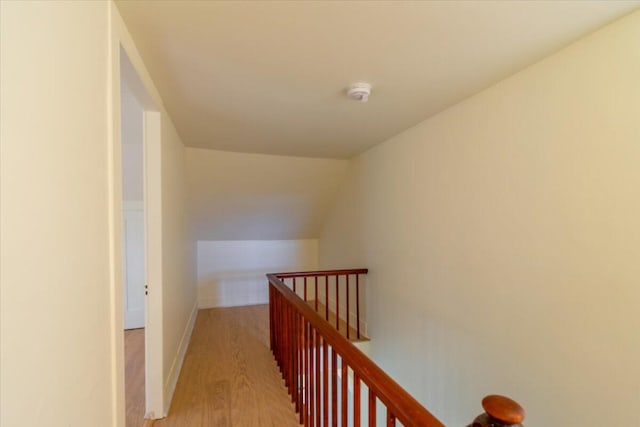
55 306
132 146
254 214
239 196
502 239
232 273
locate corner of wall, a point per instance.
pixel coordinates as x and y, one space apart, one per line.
176 365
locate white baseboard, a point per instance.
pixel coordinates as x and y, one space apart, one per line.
176 366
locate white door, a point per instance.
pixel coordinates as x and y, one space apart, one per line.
133 266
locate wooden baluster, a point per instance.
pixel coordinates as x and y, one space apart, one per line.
280 330
299 376
316 292
318 381
312 379
297 359
271 317
289 345
281 334
285 341
358 304
278 333
337 303
288 349
325 381
275 324
347 313
308 375
305 288
279 323
500 410
334 388
356 399
294 355
345 393
302 367
326 298
372 408
294 285
391 419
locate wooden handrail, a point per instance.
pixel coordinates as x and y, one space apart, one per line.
400 404
321 273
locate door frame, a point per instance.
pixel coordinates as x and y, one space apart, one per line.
126 65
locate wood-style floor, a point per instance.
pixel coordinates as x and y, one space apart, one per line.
134 377
229 377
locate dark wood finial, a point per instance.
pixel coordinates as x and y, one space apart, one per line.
500 410
503 409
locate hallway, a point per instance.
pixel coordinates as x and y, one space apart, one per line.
229 377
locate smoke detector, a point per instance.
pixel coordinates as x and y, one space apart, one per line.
359 91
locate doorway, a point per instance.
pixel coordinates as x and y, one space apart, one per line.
133 254
142 203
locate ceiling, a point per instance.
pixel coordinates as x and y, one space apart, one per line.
270 77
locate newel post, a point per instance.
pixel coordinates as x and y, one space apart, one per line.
500 411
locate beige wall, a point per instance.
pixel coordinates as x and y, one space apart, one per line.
239 196
132 130
61 294
502 237
232 272
178 258
55 307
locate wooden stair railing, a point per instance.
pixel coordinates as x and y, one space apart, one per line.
319 286
321 368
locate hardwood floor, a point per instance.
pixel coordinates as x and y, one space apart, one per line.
134 377
229 377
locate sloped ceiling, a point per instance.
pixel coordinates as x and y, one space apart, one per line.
269 77
238 196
